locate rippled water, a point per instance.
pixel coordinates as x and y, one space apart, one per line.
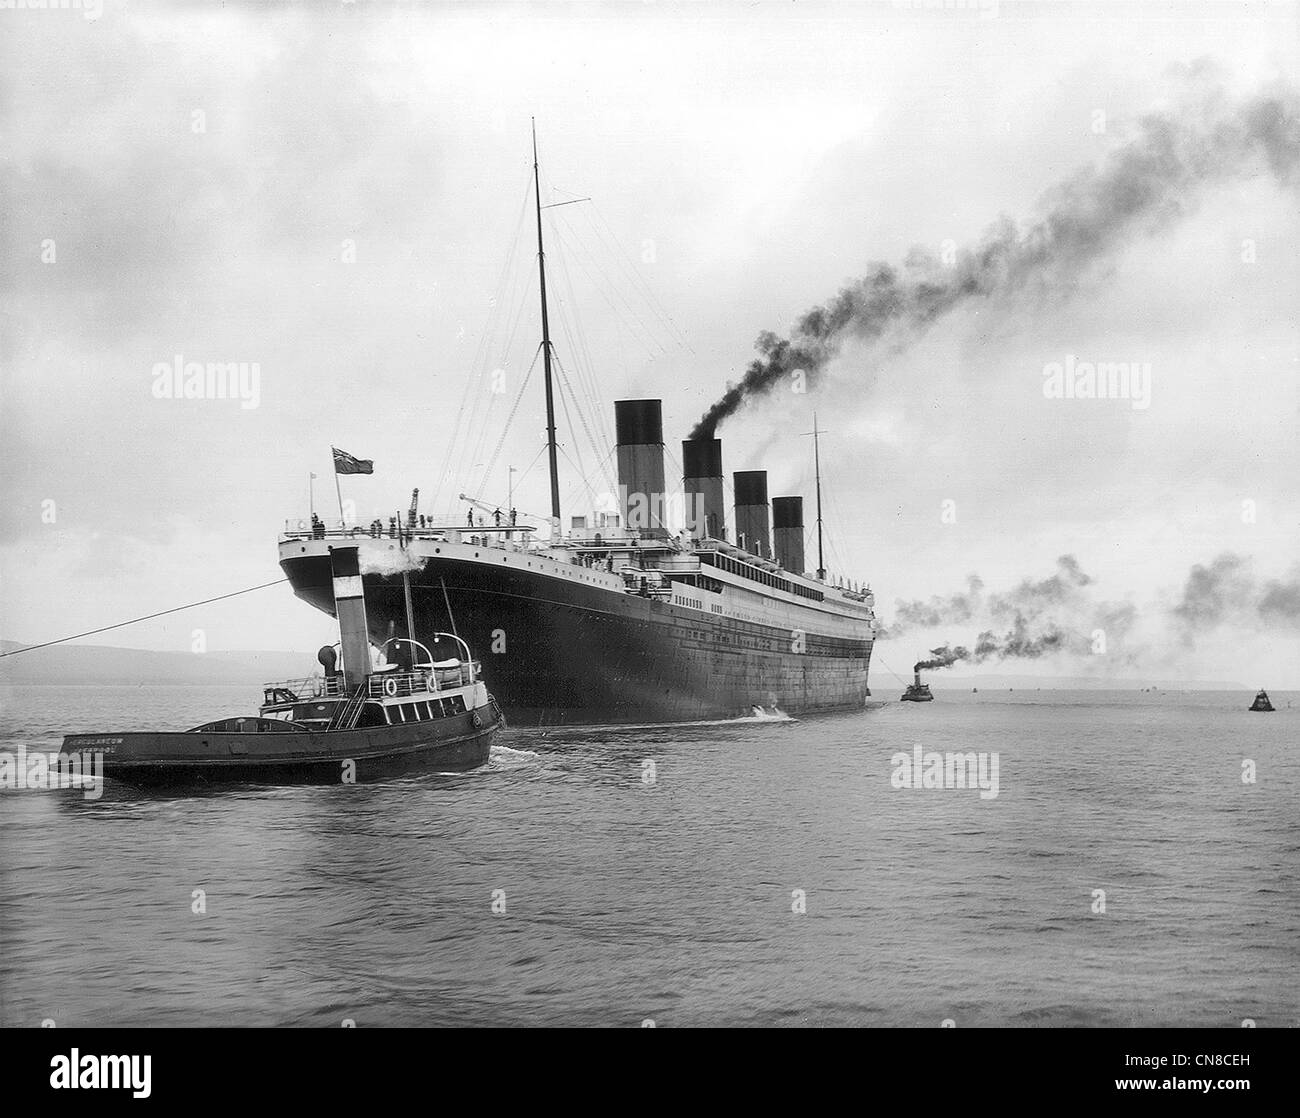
672 900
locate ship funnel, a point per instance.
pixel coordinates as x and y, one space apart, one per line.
787 532
705 504
752 518
639 425
350 609
917 676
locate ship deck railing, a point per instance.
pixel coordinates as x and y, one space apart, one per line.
508 536
421 681
311 687
518 538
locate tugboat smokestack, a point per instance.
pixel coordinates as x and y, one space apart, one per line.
705 504
350 608
752 516
639 427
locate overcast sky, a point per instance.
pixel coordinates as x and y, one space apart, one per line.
187 179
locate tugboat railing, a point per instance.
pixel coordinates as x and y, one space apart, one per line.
395 685
310 687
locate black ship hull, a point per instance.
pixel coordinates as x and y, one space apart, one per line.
575 653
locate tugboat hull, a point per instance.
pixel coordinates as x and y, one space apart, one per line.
294 757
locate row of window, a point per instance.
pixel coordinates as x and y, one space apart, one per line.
793 642
424 710
726 563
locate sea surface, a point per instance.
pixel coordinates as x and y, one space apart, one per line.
760 872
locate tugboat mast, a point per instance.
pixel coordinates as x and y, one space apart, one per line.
546 350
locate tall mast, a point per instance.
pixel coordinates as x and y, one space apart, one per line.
546 349
817 463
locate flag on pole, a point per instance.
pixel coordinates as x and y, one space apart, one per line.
344 463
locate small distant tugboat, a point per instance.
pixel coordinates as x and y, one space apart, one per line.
917 692
1261 701
426 710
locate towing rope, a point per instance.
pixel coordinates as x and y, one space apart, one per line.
147 617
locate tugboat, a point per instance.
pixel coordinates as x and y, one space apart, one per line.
1261 701
917 692
427 709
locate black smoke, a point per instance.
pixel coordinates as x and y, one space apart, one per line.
1060 614
1061 592
1038 617
1021 642
940 610
1226 591
1147 184
943 657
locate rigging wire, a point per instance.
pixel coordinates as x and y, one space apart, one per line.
828 491
644 338
616 287
676 463
460 430
137 620
584 487
638 279
492 462
482 414
582 355
596 448
578 345
875 656
568 419
512 291
583 364
536 458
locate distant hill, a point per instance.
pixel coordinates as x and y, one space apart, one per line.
1073 683
88 663
91 663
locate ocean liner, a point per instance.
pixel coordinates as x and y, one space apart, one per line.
634 614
